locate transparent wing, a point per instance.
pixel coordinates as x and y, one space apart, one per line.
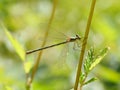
61 64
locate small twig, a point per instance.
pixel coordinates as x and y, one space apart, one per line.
43 44
84 44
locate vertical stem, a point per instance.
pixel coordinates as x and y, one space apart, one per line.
43 44
84 44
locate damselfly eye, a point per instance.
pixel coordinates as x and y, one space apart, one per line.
78 36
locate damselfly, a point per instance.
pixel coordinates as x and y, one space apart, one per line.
71 39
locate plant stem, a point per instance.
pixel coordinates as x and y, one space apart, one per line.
43 44
84 44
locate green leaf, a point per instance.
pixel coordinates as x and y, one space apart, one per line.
27 66
82 77
20 51
89 60
86 66
90 80
99 57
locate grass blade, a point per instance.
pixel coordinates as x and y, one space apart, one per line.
18 48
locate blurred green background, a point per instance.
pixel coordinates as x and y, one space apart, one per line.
27 21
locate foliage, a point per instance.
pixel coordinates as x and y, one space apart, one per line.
91 61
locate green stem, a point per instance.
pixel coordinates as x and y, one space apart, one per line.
84 44
43 44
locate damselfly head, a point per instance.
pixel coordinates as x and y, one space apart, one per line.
78 37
